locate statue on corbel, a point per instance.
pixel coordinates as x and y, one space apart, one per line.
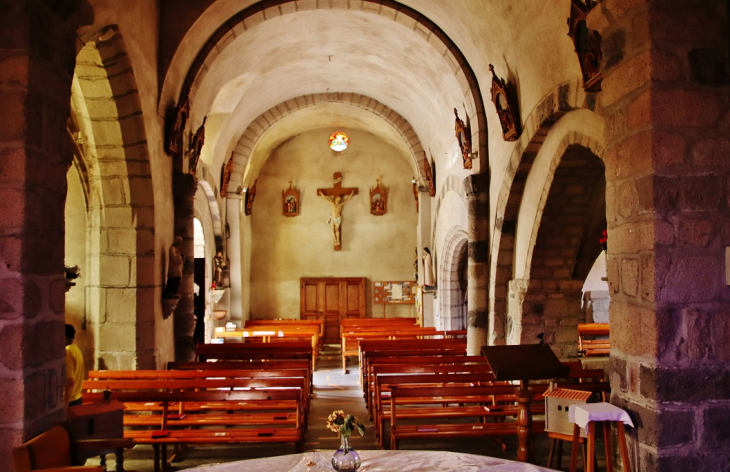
463 136
176 130
250 196
587 44
429 168
505 101
196 147
226 177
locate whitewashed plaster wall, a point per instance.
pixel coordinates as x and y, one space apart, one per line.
283 249
75 247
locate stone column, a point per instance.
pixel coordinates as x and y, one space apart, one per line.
477 194
233 220
665 100
184 187
37 51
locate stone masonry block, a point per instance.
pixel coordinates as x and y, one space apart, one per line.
117 337
695 232
711 152
121 305
630 157
630 277
700 192
115 271
697 329
684 108
626 77
687 278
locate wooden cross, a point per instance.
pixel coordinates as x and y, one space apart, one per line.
337 196
337 190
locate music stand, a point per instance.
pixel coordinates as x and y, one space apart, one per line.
524 362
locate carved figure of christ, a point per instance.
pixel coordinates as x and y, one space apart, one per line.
337 196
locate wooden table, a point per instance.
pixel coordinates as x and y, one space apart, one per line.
524 362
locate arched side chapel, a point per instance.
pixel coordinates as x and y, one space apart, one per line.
663 110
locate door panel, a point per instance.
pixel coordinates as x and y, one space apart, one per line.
332 299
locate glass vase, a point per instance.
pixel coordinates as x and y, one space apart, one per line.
346 459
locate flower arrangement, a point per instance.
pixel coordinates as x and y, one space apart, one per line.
339 422
604 240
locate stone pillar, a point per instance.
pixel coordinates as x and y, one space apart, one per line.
477 194
664 98
37 52
233 245
184 187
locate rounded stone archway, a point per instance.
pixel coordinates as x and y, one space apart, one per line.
111 150
453 281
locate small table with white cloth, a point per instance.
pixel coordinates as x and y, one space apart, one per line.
378 461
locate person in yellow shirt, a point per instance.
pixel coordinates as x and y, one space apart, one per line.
74 369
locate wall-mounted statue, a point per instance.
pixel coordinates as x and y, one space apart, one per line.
415 194
378 199
290 201
176 130
175 263
587 44
337 196
463 135
196 146
430 170
226 177
250 196
505 102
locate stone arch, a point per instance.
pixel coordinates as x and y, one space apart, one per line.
538 124
113 151
451 280
207 184
262 11
570 217
258 127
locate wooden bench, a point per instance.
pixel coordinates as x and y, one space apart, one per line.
593 339
272 334
370 349
372 322
256 351
159 417
417 403
290 323
351 339
381 408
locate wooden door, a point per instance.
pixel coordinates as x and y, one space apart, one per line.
332 299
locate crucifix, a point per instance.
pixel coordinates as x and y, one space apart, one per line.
337 196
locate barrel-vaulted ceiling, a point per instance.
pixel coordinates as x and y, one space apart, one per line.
420 58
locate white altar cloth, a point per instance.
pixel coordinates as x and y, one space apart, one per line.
378 461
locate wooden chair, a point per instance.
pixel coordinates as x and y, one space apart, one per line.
53 451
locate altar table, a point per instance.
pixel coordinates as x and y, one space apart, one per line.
378 461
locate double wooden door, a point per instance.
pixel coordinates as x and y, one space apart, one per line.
332 299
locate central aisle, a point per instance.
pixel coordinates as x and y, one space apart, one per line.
334 390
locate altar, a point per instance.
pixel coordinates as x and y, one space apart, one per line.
378 461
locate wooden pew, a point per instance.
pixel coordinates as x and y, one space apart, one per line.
269 334
384 383
371 322
191 408
351 339
256 351
588 345
406 347
417 403
293 323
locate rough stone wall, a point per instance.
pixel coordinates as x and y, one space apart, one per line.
570 224
36 66
665 93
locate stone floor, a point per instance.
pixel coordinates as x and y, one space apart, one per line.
334 390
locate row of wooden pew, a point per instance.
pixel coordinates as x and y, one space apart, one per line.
432 389
253 393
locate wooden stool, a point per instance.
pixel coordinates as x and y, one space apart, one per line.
588 415
557 440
